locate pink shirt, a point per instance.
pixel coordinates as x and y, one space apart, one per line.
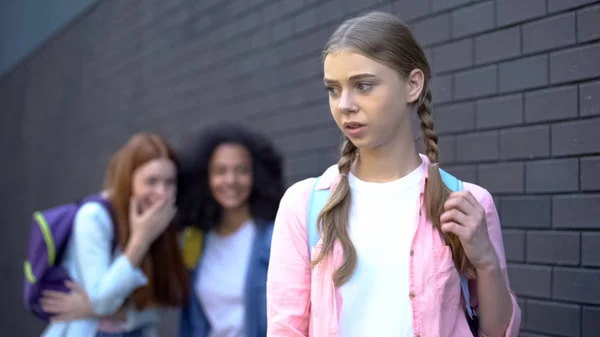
301 302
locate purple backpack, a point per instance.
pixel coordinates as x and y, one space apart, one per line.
48 238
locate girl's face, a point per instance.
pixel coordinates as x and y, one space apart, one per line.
154 181
368 100
230 176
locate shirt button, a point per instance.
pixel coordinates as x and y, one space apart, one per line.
418 336
412 252
411 294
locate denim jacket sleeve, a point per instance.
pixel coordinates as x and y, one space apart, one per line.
107 283
193 322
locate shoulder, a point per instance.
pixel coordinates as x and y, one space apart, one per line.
93 212
299 192
482 195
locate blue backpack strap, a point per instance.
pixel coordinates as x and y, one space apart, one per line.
455 185
316 202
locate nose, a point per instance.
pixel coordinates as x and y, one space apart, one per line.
346 103
230 177
161 189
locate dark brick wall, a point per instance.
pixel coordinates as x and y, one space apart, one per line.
516 91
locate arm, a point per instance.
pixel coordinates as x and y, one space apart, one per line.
499 312
289 270
107 284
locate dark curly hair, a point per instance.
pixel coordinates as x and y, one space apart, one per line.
195 201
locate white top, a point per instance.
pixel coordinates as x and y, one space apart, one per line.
221 280
107 278
383 218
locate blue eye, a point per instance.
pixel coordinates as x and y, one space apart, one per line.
331 91
364 86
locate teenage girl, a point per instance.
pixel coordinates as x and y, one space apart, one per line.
394 239
232 182
118 292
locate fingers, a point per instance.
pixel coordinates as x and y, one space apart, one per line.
133 208
458 230
74 287
454 215
459 200
51 305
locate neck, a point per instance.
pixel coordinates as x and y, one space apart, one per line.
388 162
232 220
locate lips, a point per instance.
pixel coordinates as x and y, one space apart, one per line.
353 125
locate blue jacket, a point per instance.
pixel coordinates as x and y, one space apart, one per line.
193 320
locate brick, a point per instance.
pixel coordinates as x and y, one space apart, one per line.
447 147
452 56
476 82
525 143
553 318
439 5
473 19
576 211
316 138
466 173
573 138
560 248
579 285
590 249
527 280
514 245
329 12
433 29
499 111
283 30
554 32
588 25
560 5
502 177
590 174
590 322
523 73
551 104
455 117
516 212
589 99
480 146
441 88
311 164
498 45
575 64
410 9
513 11
556 175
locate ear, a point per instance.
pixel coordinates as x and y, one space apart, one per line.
414 85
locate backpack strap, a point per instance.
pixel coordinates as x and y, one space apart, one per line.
318 199
316 202
455 185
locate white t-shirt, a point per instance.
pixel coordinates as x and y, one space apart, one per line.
221 282
383 218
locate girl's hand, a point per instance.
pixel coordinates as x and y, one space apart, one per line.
465 218
146 226
70 306
74 305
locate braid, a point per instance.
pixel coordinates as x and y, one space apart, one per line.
430 139
333 220
347 156
436 192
